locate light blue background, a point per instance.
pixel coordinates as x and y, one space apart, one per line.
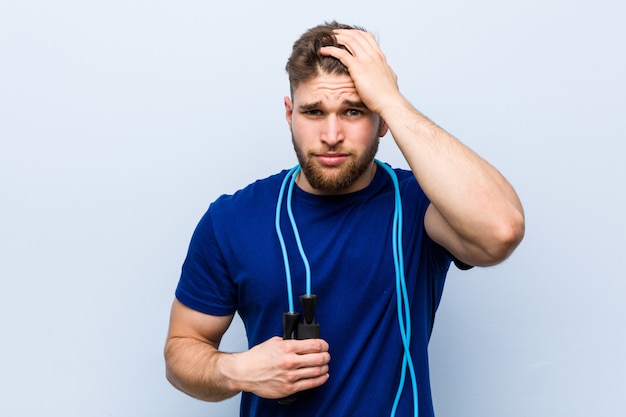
121 120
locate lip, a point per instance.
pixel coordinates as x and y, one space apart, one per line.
331 159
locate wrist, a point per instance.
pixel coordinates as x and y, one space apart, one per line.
402 115
397 108
228 373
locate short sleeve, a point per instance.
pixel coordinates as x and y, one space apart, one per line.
205 284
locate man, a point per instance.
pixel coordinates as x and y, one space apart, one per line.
340 246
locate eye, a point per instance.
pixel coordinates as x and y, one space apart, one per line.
354 112
314 112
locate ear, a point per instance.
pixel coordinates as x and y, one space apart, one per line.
288 110
383 129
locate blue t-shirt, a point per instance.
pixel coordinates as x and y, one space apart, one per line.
235 264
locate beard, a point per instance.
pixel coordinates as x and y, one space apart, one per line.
337 179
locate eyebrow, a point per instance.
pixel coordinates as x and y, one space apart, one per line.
358 104
309 106
316 105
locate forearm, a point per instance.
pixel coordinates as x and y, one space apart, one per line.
476 212
195 367
275 368
473 198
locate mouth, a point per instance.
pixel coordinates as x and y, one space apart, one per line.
331 159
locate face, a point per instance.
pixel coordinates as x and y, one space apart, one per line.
334 134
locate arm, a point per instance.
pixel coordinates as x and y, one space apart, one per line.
474 211
275 368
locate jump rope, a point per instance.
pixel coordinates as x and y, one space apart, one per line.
306 328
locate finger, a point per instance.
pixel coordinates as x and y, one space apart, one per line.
357 34
313 346
341 54
305 346
313 360
314 369
358 42
300 385
354 41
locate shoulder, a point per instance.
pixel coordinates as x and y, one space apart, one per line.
241 211
402 181
409 187
256 194
244 211
404 176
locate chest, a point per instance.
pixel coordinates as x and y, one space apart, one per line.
349 256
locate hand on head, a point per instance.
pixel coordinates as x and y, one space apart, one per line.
375 80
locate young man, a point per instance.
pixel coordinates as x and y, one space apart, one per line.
245 255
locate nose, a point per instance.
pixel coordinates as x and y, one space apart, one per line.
332 132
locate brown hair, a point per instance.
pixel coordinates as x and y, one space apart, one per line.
306 62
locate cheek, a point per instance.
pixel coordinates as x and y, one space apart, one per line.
303 129
365 131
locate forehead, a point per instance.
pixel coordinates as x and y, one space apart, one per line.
326 88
